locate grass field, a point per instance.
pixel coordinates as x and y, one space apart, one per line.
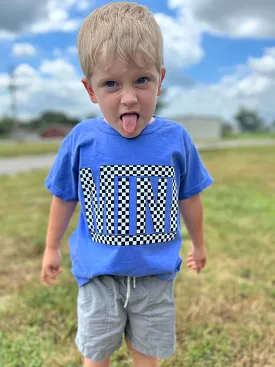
225 316
253 135
22 149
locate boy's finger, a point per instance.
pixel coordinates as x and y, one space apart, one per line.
192 266
198 265
57 271
49 275
202 264
46 279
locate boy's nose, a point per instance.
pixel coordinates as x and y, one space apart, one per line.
129 98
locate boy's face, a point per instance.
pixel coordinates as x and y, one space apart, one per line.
126 94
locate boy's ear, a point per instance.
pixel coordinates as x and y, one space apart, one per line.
163 72
90 90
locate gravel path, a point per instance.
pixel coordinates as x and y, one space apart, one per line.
11 166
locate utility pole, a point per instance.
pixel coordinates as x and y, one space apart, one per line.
13 89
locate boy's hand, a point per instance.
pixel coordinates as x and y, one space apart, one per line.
51 265
197 258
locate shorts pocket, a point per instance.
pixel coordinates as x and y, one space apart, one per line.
161 290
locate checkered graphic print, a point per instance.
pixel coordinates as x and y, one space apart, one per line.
110 205
174 208
89 192
144 193
141 206
107 203
123 205
139 170
143 239
107 191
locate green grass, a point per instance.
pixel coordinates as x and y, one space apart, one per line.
225 316
22 149
253 135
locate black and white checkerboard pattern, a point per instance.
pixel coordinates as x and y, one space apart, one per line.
107 174
123 219
136 171
174 208
143 239
89 193
145 193
107 191
110 207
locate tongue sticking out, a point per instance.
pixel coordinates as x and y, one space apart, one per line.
129 122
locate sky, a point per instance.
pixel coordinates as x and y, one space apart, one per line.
219 55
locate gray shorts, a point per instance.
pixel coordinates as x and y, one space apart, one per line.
148 320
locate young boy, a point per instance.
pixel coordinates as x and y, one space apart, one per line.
132 173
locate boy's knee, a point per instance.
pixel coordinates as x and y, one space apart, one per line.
140 359
104 363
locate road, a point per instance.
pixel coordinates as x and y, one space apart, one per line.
10 166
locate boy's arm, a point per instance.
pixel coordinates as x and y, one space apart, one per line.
60 215
191 210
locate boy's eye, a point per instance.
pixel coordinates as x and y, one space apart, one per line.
142 80
110 84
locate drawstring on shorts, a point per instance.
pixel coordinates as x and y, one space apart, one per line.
129 289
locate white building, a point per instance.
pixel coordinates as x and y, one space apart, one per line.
201 128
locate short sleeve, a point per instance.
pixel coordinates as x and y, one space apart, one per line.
62 180
196 177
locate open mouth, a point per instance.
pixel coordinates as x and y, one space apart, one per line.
130 114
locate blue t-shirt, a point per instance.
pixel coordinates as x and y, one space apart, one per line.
128 190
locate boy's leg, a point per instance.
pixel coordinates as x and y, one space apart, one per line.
103 363
150 331
101 320
141 360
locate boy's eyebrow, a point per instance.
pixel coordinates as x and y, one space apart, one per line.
115 76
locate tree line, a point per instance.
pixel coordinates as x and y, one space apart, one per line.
248 121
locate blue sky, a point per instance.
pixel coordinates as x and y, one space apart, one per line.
224 58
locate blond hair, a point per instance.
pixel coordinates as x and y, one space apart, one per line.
127 31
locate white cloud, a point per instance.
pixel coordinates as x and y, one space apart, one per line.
23 50
36 17
5 35
235 18
249 86
65 53
59 69
182 45
4 81
181 41
254 84
58 20
54 85
264 65
26 70
83 5
72 50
